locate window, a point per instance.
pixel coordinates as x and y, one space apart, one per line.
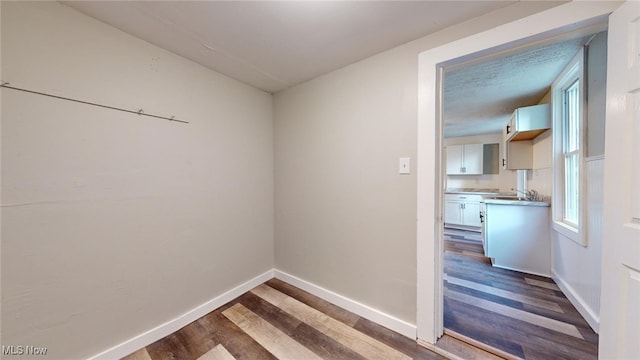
568 94
571 152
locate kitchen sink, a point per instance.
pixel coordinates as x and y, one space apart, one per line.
514 200
511 198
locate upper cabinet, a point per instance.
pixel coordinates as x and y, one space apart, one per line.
525 125
472 159
464 159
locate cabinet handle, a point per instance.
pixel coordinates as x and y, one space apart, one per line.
504 162
508 129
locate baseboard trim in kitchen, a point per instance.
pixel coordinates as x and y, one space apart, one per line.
365 311
592 319
520 270
148 337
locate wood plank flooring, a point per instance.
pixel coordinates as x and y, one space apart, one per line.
279 321
524 315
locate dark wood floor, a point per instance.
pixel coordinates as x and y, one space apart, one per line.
277 320
521 314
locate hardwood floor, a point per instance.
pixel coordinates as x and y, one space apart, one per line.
279 321
524 315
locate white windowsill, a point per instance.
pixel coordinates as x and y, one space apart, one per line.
568 231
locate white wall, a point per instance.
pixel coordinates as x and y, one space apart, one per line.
596 94
577 268
504 180
114 223
539 178
345 218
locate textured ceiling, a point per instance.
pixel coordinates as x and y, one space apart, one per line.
479 98
273 45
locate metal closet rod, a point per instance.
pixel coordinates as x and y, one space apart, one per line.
139 112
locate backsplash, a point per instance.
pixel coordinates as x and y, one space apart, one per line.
542 181
504 181
538 179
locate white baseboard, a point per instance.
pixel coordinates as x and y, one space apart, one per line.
148 337
367 312
592 319
138 342
521 270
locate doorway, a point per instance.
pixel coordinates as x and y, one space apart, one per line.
513 313
550 24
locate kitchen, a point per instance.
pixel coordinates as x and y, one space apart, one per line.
497 203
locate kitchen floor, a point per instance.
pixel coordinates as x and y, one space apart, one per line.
524 315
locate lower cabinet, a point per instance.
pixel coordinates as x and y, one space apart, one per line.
517 237
462 210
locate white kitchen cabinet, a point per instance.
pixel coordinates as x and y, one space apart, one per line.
518 155
462 210
524 125
471 213
452 212
466 159
455 159
517 237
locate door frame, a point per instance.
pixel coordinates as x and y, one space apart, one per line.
544 26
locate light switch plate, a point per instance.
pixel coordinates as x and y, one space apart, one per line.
404 166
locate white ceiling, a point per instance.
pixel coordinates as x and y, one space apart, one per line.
273 45
479 98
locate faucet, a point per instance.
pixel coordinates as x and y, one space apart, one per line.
530 195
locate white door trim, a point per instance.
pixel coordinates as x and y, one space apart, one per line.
620 294
538 27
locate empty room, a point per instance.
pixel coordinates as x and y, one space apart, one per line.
275 179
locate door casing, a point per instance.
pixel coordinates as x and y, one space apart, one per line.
562 21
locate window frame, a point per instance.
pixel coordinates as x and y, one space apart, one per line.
574 71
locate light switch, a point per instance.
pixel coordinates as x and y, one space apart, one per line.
405 165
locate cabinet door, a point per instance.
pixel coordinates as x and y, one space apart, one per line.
472 159
471 214
505 154
507 133
452 212
454 159
507 130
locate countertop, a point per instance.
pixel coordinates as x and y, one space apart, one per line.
487 193
516 202
475 191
